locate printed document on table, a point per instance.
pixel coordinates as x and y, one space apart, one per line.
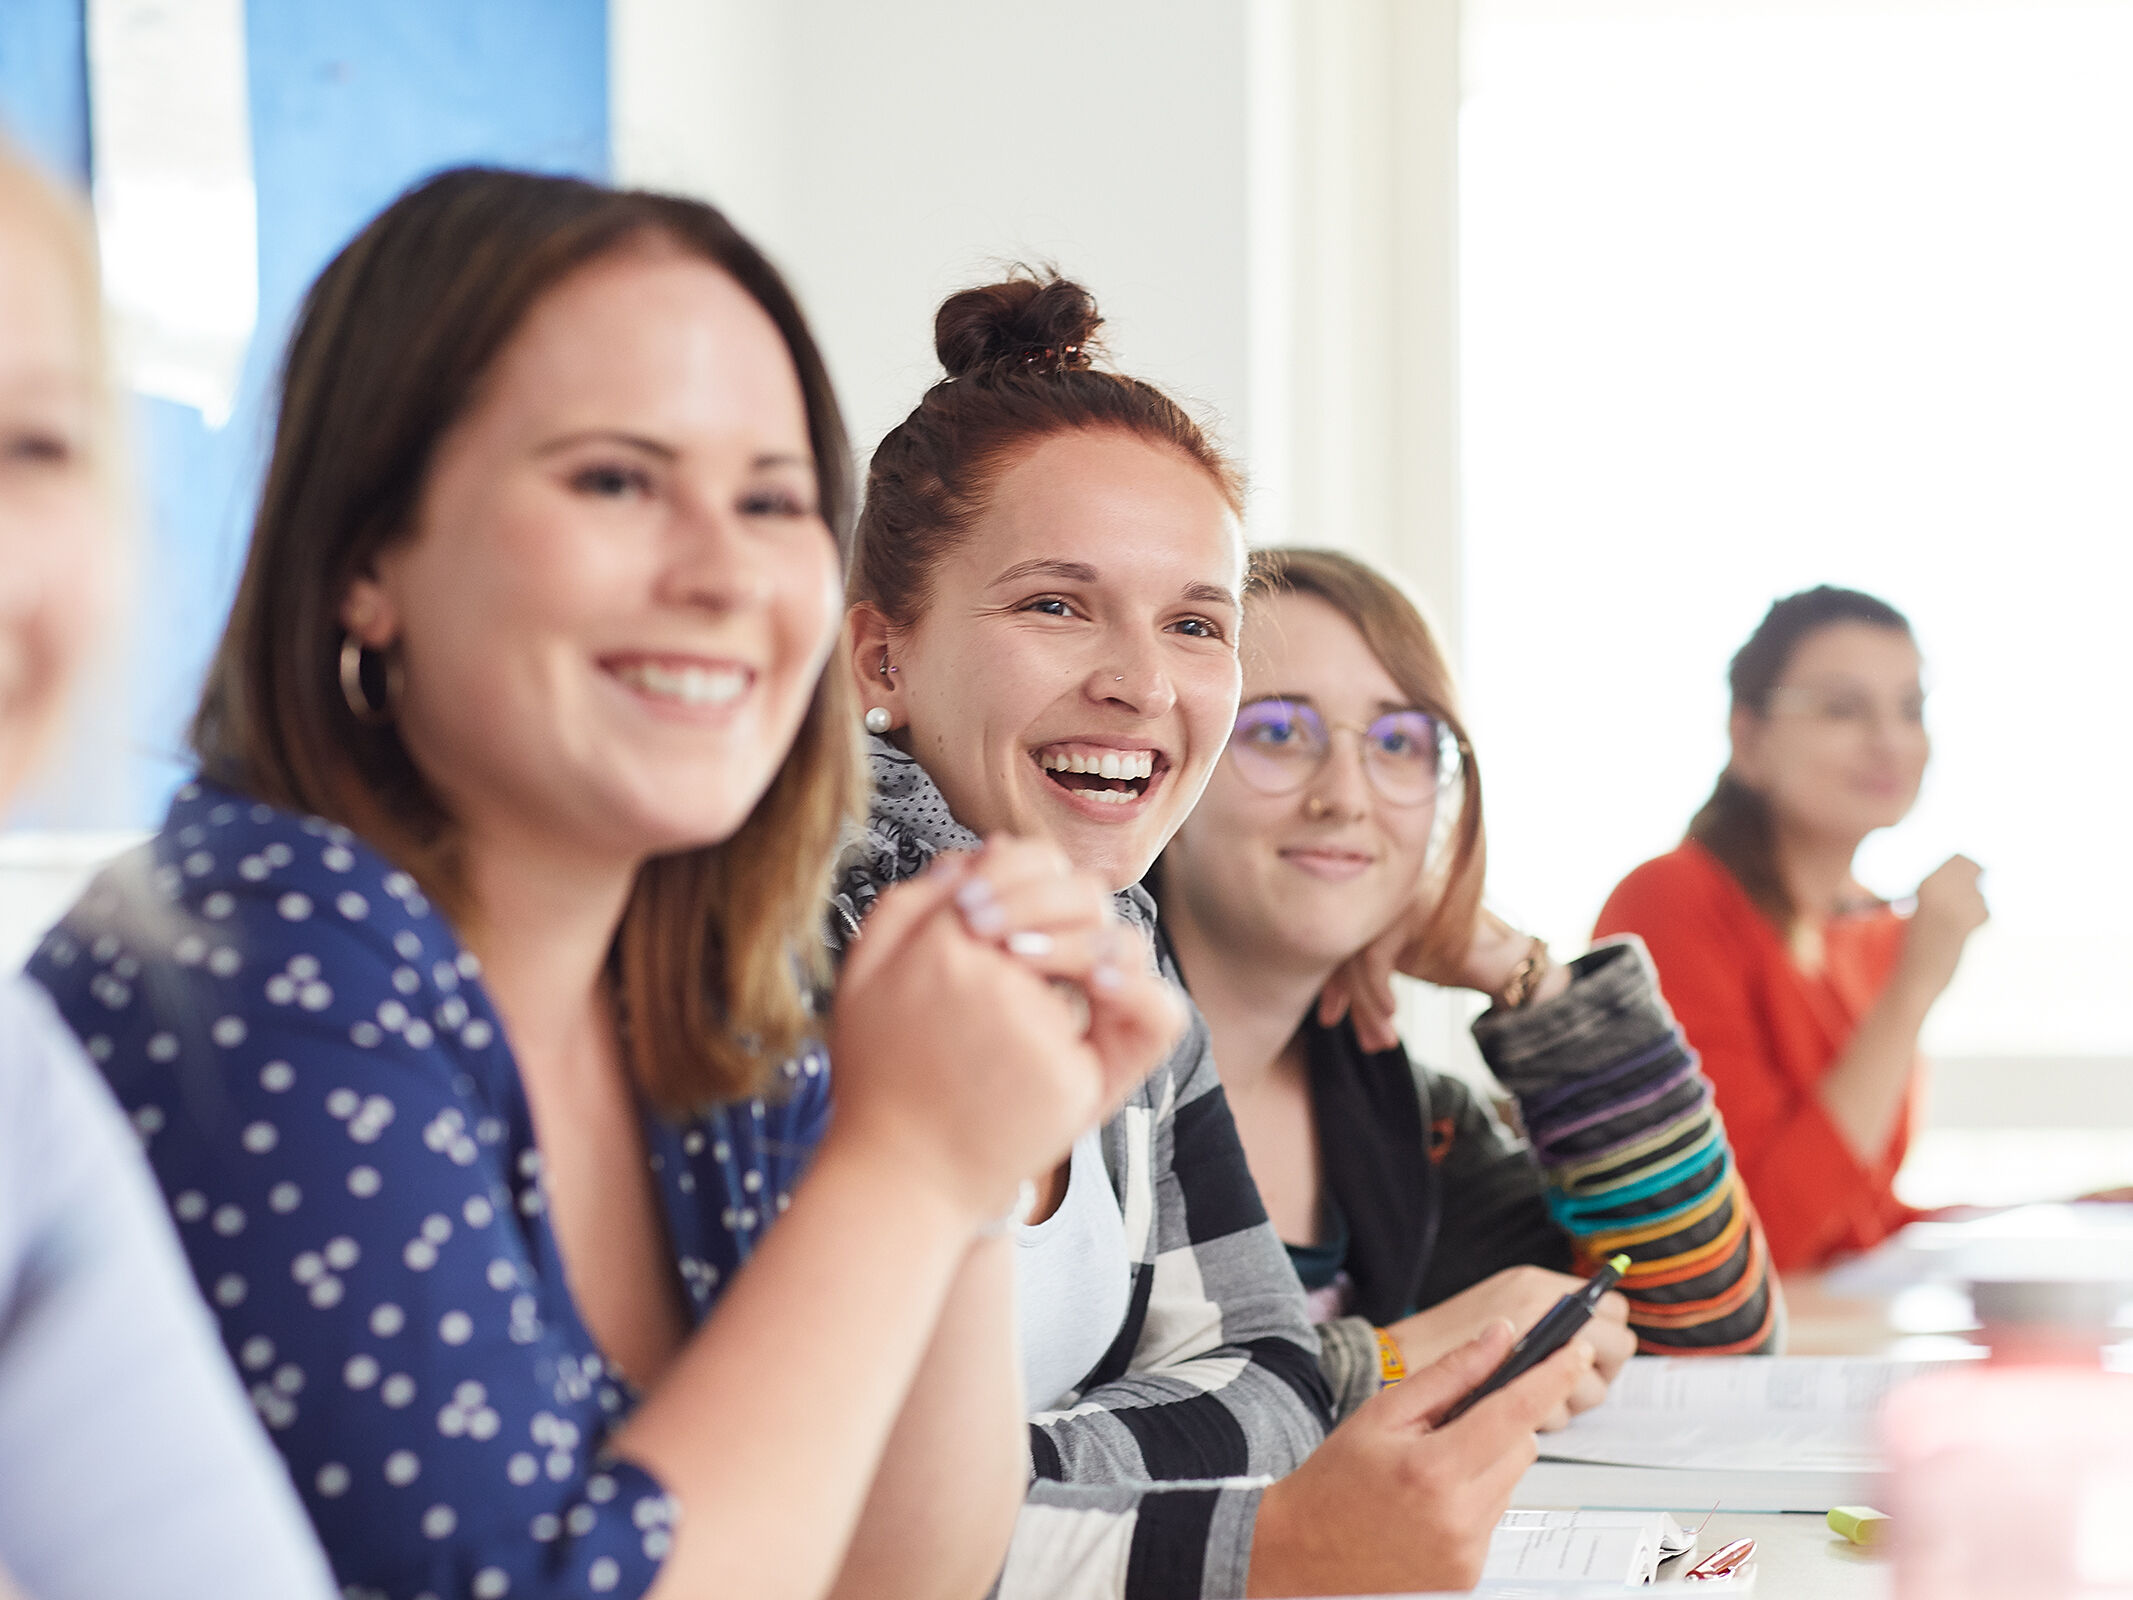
1620 1547
1790 1413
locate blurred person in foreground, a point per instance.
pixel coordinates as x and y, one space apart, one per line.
131 1465
1803 990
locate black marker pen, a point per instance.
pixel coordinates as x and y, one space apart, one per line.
1546 1336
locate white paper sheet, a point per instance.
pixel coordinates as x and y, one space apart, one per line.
1806 1414
1622 1547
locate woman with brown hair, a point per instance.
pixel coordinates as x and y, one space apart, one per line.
450 998
1803 991
1047 595
1340 836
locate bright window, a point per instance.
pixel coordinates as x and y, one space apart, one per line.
1757 296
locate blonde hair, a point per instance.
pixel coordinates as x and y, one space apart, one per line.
64 222
39 216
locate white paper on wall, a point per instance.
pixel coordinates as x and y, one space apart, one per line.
176 210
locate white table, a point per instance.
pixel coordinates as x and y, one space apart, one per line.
1796 1557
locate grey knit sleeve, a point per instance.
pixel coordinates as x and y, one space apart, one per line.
1348 1356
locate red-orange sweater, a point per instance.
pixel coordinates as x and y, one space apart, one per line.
1768 1033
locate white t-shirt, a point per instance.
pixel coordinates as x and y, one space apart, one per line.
131 1465
1072 1280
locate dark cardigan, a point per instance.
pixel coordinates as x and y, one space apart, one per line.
1399 1148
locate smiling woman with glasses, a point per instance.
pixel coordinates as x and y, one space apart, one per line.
1340 837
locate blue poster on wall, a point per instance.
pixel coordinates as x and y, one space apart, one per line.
348 105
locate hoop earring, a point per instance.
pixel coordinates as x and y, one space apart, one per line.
352 690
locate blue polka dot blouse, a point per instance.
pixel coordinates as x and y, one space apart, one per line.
339 1129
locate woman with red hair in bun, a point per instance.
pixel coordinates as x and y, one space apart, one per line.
1048 591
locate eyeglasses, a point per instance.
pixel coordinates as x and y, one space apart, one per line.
1278 746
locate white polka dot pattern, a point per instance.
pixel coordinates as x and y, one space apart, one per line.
362 1201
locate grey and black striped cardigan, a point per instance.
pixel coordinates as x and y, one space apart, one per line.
1145 1483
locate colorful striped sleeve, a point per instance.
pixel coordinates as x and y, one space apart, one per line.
1621 1120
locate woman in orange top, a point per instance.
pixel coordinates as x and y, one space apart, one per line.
1804 992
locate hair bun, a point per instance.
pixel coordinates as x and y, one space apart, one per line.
1042 322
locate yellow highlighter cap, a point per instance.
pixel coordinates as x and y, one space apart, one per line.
1863 1525
1619 1263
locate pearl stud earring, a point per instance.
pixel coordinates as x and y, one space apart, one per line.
878 720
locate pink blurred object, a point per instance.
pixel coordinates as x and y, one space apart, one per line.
2013 1479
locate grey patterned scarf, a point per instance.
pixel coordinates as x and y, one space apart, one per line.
908 824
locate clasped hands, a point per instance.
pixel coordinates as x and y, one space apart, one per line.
989 1012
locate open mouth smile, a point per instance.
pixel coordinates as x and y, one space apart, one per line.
694 685
1102 775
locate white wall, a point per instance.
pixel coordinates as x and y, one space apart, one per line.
887 155
1355 337
1261 193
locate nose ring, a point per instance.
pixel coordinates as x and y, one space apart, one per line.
1315 808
